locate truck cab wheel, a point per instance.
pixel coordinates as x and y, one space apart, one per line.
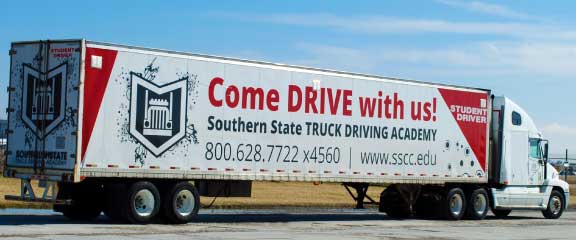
501 213
454 204
143 203
181 203
477 204
555 205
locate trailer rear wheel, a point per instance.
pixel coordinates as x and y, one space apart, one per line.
181 203
477 204
143 202
113 207
429 202
81 213
555 205
454 204
392 204
86 201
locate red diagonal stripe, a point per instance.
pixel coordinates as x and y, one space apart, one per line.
95 83
474 132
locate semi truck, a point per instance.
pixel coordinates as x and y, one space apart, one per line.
141 134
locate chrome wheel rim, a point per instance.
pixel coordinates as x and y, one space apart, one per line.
456 203
185 202
144 202
555 205
480 205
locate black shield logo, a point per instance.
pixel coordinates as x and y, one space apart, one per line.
157 113
43 98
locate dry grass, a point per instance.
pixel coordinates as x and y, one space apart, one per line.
572 182
293 194
11 186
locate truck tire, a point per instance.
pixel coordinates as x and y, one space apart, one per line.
454 204
555 205
114 194
80 213
428 204
142 202
392 203
181 203
478 204
501 213
86 201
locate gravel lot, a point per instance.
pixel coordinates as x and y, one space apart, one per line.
288 224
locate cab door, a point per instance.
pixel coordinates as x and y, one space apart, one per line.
535 163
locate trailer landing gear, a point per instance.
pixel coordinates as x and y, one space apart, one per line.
398 200
361 189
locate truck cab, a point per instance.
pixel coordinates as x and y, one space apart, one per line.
521 177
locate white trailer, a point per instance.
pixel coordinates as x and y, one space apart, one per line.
125 130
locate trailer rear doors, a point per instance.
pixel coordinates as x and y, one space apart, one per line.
43 107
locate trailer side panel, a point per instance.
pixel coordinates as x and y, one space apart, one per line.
168 115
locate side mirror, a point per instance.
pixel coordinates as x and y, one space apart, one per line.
546 152
545 160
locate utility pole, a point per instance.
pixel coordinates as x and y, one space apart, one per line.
566 167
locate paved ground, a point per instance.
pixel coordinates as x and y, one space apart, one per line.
288 224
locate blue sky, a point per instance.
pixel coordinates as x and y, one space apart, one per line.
525 50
